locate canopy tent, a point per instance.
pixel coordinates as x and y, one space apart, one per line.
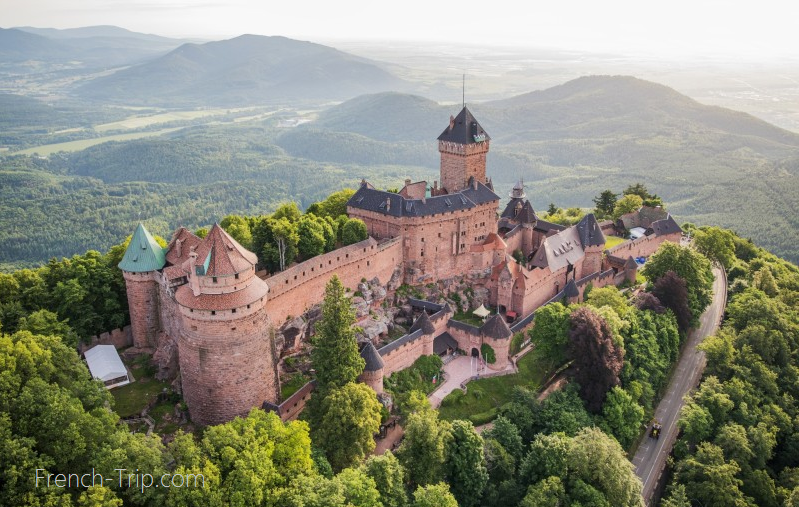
105 364
482 312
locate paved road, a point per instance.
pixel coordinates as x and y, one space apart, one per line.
650 458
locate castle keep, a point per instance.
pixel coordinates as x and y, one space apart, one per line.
199 306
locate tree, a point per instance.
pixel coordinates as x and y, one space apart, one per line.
423 449
689 265
709 478
672 292
335 355
596 357
641 191
677 498
622 416
609 296
286 242
353 231
311 231
605 204
716 244
336 203
507 434
551 331
548 456
546 493
99 496
552 209
627 204
600 461
764 280
434 495
289 211
239 229
389 477
464 465
348 419
45 322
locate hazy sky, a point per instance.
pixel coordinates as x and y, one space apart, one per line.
732 27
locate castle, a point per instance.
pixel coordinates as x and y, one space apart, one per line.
199 305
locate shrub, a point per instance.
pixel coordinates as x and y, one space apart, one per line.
488 353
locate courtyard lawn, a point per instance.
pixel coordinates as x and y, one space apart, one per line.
131 399
611 241
468 318
484 397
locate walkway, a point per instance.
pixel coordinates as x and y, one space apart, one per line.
650 458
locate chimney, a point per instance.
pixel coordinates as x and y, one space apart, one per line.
388 203
407 181
451 122
179 247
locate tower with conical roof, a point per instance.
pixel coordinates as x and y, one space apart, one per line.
463 147
227 362
143 258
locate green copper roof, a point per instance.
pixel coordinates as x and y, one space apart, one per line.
143 253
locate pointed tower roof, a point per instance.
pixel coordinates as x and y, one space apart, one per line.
464 129
372 358
496 327
571 290
143 253
221 255
590 232
630 263
423 323
518 191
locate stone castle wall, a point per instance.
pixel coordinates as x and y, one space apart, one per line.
293 291
143 302
227 366
643 246
459 162
120 338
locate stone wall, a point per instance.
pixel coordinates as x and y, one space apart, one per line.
459 162
227 367
295 290
119 338
143 302
642 247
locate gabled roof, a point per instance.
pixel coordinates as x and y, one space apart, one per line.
496 327
526 214
180 246
546 227
423 323
464 129
373 360
590 232
559 250
143 253
444 341
388 203
221 255
104 362
666 226
630 263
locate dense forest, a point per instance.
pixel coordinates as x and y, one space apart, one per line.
740 440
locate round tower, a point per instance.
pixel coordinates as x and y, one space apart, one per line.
143 258
373 370
227 360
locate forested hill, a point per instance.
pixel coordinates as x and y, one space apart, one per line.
249 69
570 142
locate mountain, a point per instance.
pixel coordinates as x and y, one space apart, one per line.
89 47
571 142
244 70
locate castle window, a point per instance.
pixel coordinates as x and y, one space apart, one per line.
194 328
213 312
439 234
214 279
248 307
368 263
422 240
232 328
421 254
237 276
191 310
295 277
233 311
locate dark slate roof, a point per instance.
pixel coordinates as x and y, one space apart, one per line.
463 326
427 305
590 232
444 341
570 290
521 324
666 226
388 203
544 226
630 263
373 360
496 327
508 212
399 342
464 130
423 323
447 309
143 253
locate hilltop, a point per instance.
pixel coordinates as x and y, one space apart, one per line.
249 69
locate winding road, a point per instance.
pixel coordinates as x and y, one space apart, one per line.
650 458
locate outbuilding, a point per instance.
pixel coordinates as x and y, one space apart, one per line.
105 364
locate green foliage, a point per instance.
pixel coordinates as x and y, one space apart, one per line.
335 354
622 417
488 353
627 204
312 238
551 331
239 229
353 231
417 377
716 244
389 477
605 204
641 191
464 465
424 447
434 495
348 418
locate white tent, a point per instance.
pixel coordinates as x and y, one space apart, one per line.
482 312
105 364
637 232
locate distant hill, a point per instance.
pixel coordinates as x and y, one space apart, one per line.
244 70
570 142
92 47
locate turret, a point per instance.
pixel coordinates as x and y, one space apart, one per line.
227 360
463 147
140 265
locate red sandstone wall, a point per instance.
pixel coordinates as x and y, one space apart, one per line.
296 289
143 302
119 338
227 367
642 247
459 162
404 356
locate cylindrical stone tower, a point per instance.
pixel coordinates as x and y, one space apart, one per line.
143 259
227 361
